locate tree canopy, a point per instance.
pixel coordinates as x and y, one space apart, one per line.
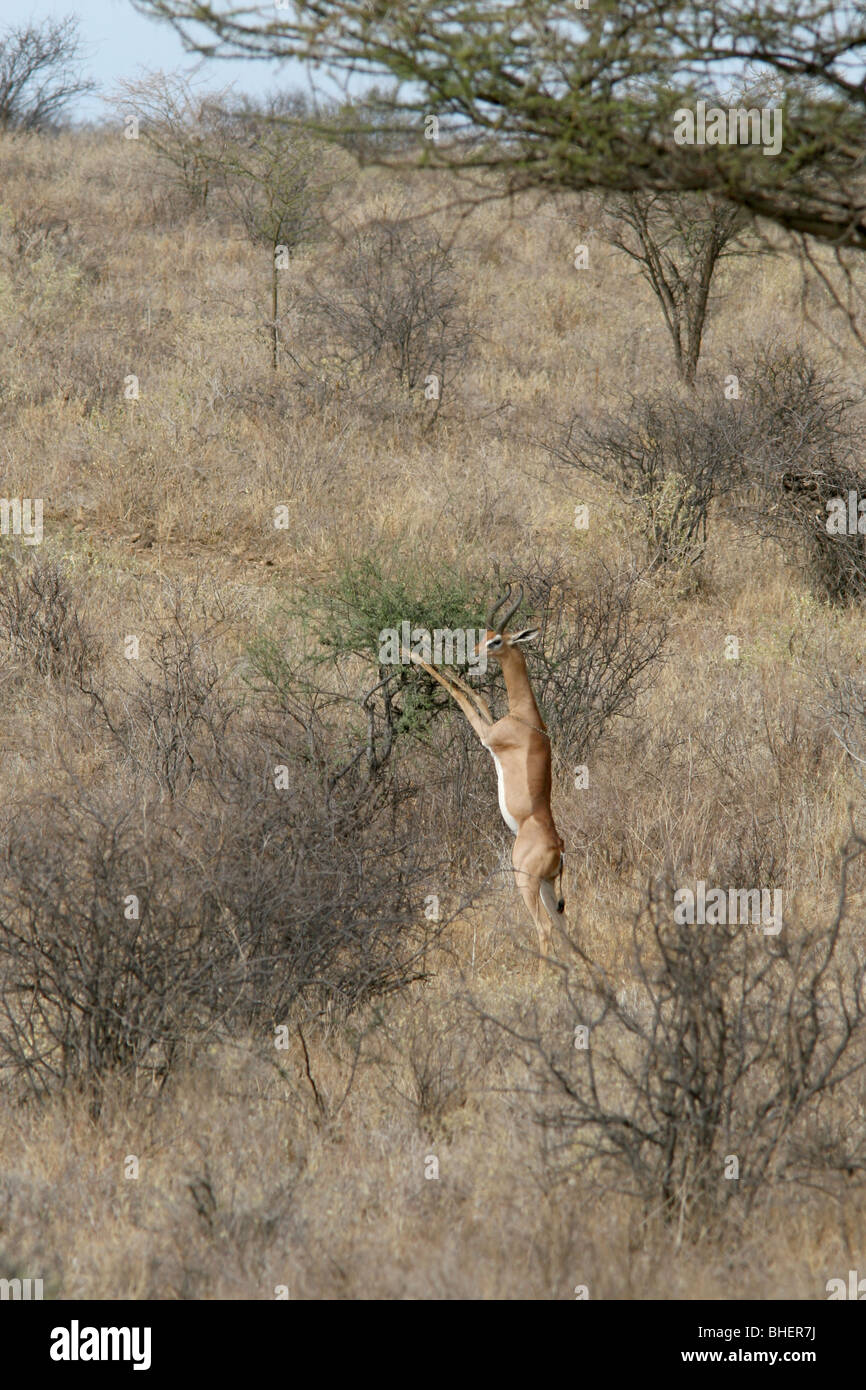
586 94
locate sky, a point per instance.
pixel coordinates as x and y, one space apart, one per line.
120 43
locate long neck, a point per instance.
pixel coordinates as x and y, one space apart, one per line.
521 700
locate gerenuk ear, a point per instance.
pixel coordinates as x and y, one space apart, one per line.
528 634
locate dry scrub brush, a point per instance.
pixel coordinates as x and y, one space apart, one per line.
730 1068
395 302
215 876
669 457
804 451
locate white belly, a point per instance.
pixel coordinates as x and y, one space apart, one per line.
506 814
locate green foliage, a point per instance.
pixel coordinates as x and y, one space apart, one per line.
339 625
365 598
555 96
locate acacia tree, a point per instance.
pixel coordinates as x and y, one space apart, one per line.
275 177
40 74
555 96
678 241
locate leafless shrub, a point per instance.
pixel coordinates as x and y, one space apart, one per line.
594 653
41 623
670 458
130 931
104 964
726 1047
170 724
802 452
323 880
290 107
40 73
186 128
234 867
396 303
776 458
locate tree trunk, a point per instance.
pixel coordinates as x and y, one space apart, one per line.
275 306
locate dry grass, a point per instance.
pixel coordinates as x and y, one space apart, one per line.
261 1168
